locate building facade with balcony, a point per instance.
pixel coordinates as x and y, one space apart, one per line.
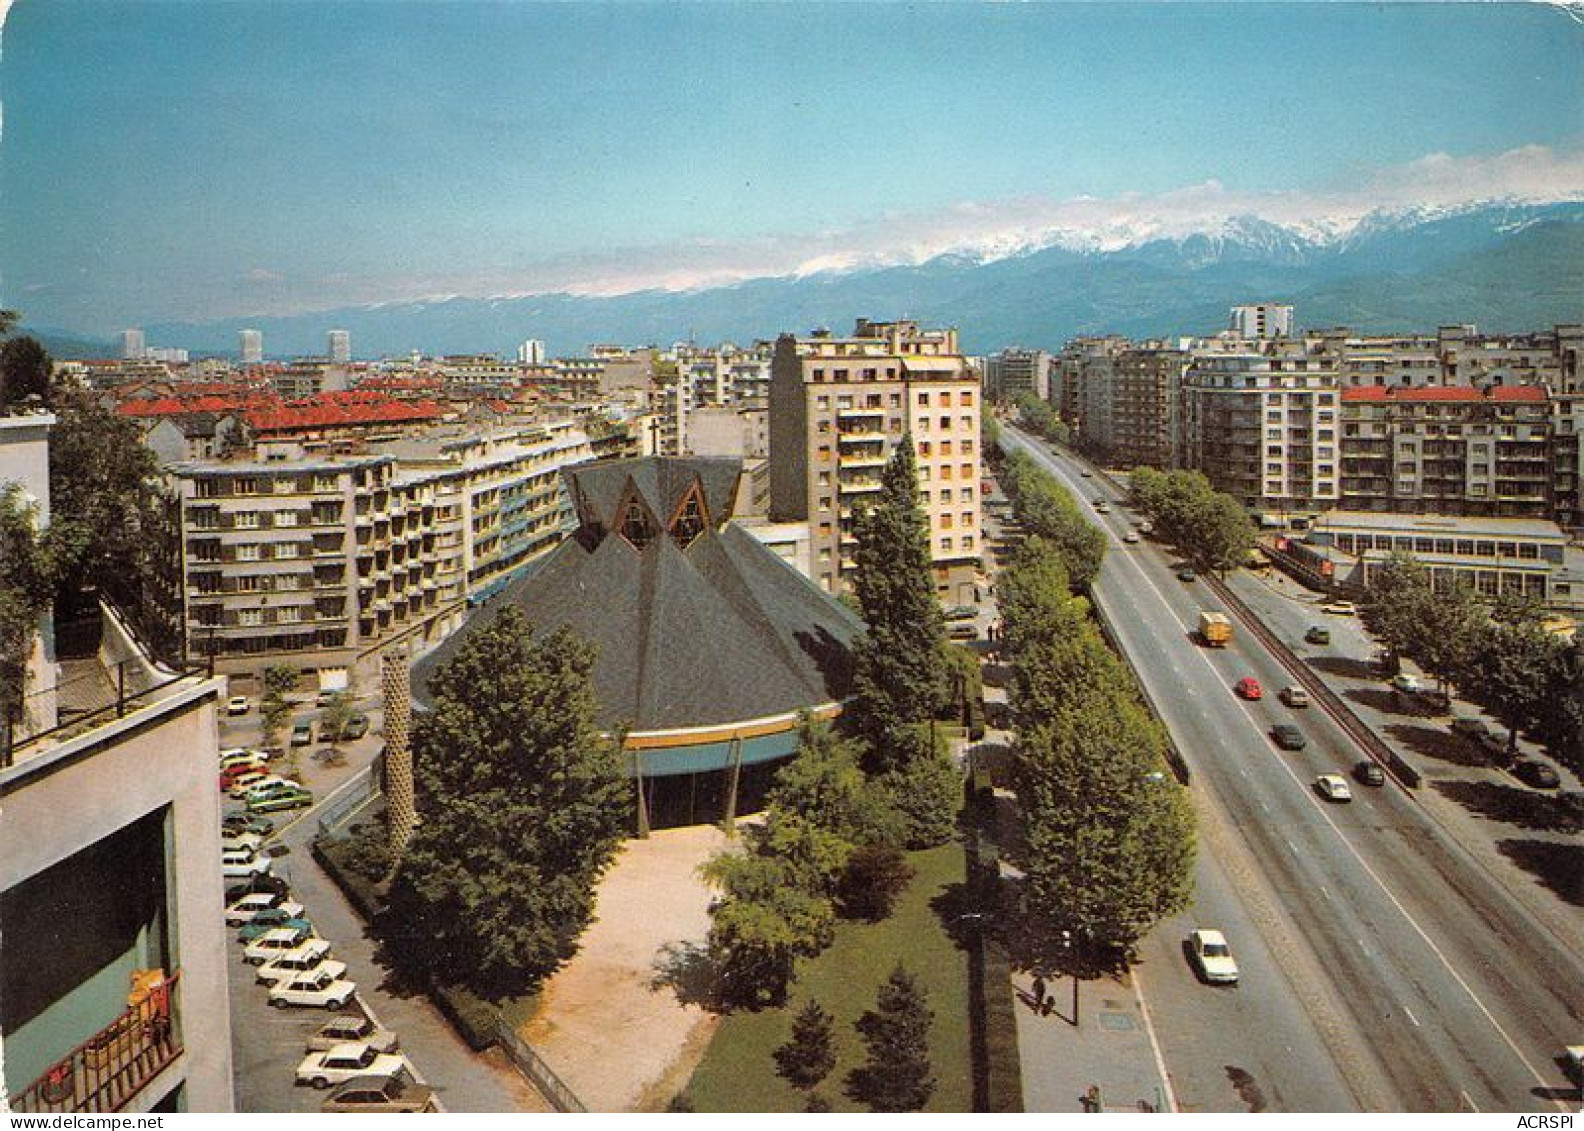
1448 450
113 985
839 407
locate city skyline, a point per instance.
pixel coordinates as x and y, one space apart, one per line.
272 160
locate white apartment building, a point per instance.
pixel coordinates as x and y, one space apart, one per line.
250 344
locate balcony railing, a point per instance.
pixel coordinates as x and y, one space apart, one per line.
109 1069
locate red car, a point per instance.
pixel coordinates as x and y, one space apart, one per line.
1248 687
229 775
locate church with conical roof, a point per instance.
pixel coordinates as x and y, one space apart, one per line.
710 645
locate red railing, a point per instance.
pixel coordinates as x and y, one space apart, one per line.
108 1070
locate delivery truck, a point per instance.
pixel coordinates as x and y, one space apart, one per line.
1215 629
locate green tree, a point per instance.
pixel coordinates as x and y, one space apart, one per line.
280 680
922 786
337 713
25 368
32 562
522 805
1048 510
1223 534
1509 672
1561 723
825 783
895 1075
273 714
810 1054
1436 629
873 880
762 924
900 669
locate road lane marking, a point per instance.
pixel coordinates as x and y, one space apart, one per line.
1411 1017
1052 464
1149 1027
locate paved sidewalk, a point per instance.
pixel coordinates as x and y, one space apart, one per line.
1108 1059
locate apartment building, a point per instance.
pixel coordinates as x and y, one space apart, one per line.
328 559
1018 372
1364 361
1263 426
1567 454
839 407
1259 321
1453 451
1549 358
1082 361
1129 405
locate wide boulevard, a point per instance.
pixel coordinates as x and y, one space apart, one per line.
1382 967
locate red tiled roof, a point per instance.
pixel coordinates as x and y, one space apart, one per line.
1507 394
307 416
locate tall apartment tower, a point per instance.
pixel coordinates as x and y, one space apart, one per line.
839 407
1014 372
340 350
133 345
251 344
1261 320
531 352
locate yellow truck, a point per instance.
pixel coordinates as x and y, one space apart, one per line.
1215 629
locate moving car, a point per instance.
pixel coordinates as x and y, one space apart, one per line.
395 1092
305 958
1131 536
1333 787
1187 575
295 798
1340 608
1288 737
316 988
238 705
245 909
1248 688
1086 473
1102 507
1295 697
1318 634
302 734
1537 774
1369 773
352 1027
1213 957
346 1061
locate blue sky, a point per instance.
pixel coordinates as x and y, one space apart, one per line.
193 160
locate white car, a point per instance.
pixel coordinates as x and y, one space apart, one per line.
1407 684
241 757
317 988
1130 537
1333 787
273 943
243 910
1339 608
240 842
310 956
238 705
238 864
1213 957
269 787
344 1061
352 1027
246 781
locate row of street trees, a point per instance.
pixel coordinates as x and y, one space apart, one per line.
1047 510
1498 654
1039 417
1208 527
1109 835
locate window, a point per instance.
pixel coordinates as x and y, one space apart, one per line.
824 479
946 447
924 447
966 495
967 470
824 451
923 400
967 542
965 399
945 423
946 543
824 503
967 518
244 485
945 495
946 521
250 618
822 402
895 400
246 520
946 471
635 526
247 552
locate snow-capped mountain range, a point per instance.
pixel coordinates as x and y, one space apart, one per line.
1503 265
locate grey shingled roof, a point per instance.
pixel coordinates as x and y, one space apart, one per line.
718 632
661 482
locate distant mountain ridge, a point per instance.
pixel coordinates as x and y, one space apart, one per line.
1504 266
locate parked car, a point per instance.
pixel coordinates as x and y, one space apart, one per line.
352 1027
261 883
1475 730
962 630
302 734
317 988
1318 634
1295 697
1340 608
1131 536
246 780
324 697
396 1092
311 955
1369 773
1333 787
241 757
1213 957
1288 737
1407 683
962 612
271 919
357 726
1248 688
240 842
238 705
269 787
1537 774
1187 575
344 1062
245 823
248 906
1086 473
295 798
240 862
273 943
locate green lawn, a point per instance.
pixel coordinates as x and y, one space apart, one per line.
737 1073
